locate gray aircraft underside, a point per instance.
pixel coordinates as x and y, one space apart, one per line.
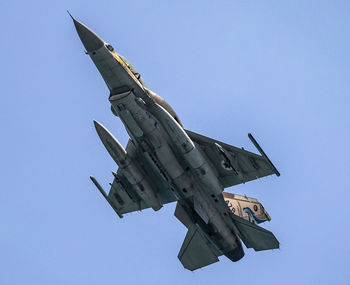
164 163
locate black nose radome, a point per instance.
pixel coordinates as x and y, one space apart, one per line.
90 40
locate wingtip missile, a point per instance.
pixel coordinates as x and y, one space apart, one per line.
263 154
99 187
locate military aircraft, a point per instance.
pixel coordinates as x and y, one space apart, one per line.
163 163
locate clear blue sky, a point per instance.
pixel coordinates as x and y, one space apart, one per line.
278 69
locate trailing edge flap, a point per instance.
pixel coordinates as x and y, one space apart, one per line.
254 236
197 250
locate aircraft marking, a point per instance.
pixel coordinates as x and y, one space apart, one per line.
226 165
251 216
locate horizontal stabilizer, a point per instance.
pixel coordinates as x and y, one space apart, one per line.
197 250
254 236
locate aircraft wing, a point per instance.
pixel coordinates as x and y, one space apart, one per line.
234 165
123 197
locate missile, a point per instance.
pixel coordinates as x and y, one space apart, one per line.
130 169
99 187
263 154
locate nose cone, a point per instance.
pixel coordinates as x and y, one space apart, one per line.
90 40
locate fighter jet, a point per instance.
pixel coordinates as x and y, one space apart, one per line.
163 162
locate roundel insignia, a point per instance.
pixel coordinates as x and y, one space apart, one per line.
226 165
255 208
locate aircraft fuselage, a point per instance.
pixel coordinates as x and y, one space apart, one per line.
161 135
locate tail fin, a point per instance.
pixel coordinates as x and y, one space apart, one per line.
247 208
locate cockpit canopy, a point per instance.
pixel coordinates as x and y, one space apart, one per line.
160 101
156 98
133 70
